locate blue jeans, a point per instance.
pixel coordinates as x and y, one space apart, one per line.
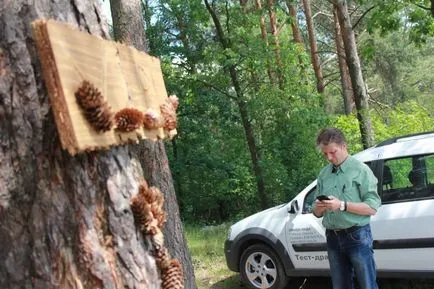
351 253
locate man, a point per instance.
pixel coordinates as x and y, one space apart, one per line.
351 188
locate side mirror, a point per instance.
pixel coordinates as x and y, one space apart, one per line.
294 207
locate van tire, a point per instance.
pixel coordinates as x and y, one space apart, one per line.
260 267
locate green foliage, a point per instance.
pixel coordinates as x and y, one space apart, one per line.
398 70
406 118
211 161
391 15
209 157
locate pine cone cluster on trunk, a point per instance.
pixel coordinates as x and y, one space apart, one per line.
152 120
147 207
129 119
162 257
173 277
168 112
95 109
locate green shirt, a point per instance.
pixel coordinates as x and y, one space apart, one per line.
352 182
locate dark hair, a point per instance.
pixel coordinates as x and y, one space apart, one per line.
330 135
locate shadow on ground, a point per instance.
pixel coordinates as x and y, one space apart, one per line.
234 282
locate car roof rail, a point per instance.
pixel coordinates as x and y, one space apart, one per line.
403 138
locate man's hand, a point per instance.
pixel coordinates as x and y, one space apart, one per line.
319 208
332 205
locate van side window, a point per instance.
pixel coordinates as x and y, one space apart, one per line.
308 201
407 179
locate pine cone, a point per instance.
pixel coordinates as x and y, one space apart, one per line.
162 258
128 119
157 240
159 214
95 109
88 96
173 277
152 120
174 100
147 207
169 114
142 212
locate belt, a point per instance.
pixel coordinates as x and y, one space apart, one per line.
345 231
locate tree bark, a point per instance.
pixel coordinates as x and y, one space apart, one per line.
358 84
276 44
270 71
128 26
296 33
65 222
313 47
251 142
347 89
152 155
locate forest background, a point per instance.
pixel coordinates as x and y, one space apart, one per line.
258 79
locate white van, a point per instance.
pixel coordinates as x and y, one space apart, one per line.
288 240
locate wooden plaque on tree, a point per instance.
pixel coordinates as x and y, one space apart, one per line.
123 76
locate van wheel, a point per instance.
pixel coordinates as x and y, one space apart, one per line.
261 268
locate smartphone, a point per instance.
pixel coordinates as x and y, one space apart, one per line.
322 198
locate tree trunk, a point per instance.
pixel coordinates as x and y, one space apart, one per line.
355 70
276 44
152 155
251 142
65 222
313 47
128 26
347 89
296 34
432 8
151 46
243 4
270 72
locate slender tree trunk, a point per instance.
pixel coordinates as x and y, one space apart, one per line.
243 5
296 33
128 26
251 142
313 47
152 155
347 89
270 71
355 70
65 222
276 43
147 19
432 8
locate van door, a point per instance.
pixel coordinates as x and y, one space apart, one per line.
403 227
305 236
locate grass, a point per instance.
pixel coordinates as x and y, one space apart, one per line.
206 246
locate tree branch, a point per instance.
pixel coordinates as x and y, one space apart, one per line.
333 82
423 7
321 13
216 89
363 15
331 74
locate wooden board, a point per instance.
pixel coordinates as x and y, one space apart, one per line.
125 76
